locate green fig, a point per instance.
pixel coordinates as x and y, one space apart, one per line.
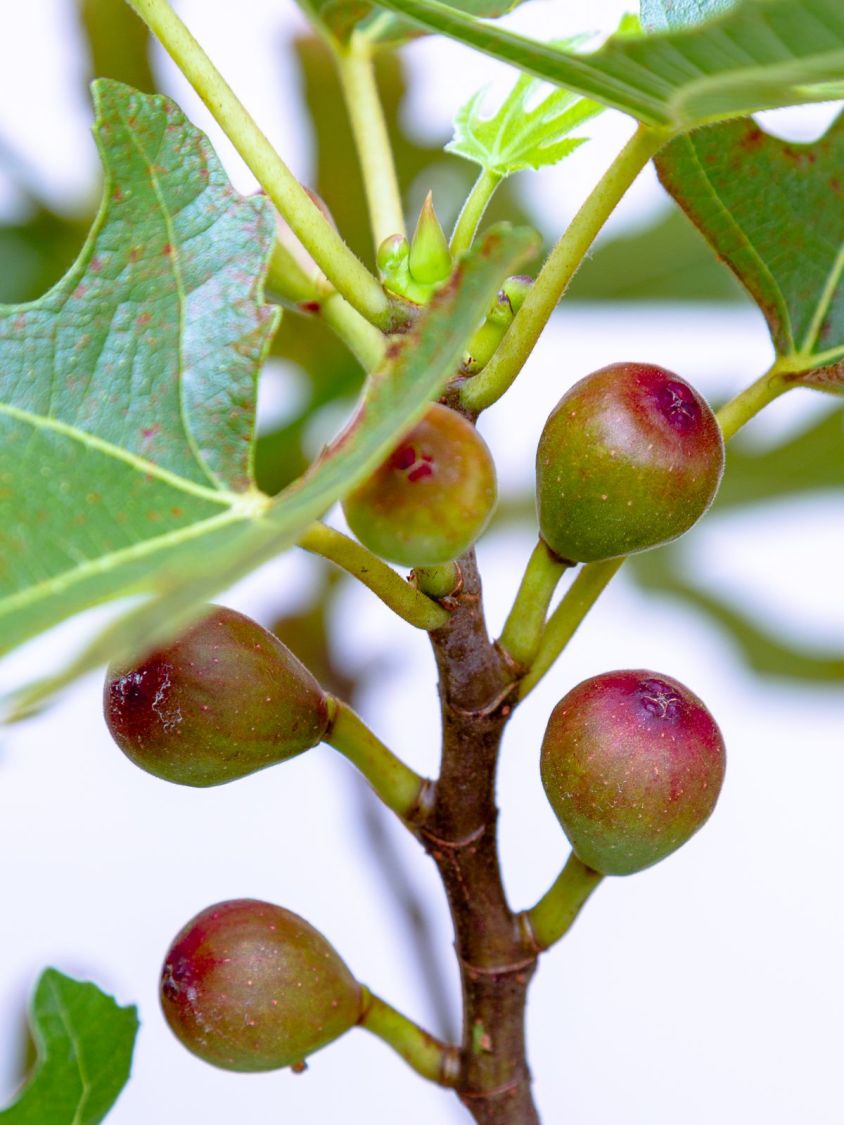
630 458
432 497
632 763
250 986
224 699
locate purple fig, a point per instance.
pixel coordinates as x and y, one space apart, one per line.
632 763
250 986
630 458
221 701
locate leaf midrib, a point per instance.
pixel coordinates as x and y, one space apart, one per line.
174 259
143 466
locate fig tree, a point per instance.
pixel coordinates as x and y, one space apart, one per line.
432 497
629 458
632 763
249 986
224 699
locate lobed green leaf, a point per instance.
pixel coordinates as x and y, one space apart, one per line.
759 54
526 131
85 1042
773 211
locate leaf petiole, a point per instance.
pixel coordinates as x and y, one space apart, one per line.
473 211
346 272
559 268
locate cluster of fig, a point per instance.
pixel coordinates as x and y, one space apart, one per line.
632 761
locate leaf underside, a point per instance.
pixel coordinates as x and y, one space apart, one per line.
128 396
85 1042
759 54
774 212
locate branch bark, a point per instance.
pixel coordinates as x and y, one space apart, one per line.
496 955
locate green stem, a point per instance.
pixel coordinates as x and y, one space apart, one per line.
396 784
559 268
402 598
325 245
437 1061
554 914
357 78
566 618
287 279
473 211
523 629
747 403
364 340
437 581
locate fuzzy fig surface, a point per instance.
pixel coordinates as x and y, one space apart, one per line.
223 700
250 986
632 764
630 458
433 496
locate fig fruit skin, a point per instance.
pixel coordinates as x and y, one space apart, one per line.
432 497
630 458
250 986
632 763
223 700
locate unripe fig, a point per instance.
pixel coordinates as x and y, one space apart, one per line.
223 700
250 986
432 497
630 458
632 763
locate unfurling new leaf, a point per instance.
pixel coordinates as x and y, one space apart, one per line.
527 130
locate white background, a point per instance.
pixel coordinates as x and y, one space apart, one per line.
707 988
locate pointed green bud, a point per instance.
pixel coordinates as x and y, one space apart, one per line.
430 260
392 255
516 289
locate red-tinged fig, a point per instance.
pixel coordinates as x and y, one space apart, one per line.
250 986
432 497
223 700
632 763
630 458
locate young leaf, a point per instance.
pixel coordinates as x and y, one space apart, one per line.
395 397
774 212
758 55
85 1042
525 132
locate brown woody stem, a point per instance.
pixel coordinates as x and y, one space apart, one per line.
496 955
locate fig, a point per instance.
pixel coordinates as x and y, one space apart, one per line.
226 698
432 497
630 458
632 764
250 986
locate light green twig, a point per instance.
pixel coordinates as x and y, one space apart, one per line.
554 914
473 211
317 235
404 599
523 629
357 79
437 1061
395 783
559 268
